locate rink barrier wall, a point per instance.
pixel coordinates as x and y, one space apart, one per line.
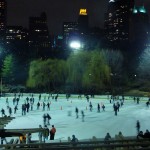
126 144
4 121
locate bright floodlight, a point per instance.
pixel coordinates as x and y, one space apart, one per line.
75 44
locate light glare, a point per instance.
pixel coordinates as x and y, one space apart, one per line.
75 45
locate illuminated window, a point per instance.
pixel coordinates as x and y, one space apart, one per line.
83 12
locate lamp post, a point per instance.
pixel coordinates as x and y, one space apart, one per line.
75 45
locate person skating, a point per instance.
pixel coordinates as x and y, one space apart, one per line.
138 99
48 119
31 106
44 119
27 107
76 111
87 98
17 100
138 126
48 106
115 109
14 101
7 103
91 106
103 107
23 109
15 109
3 112
39 97
82 114
56 97
3 138
38 105
52 132
118 106
44 106
45 133
40 134
98 107
27 99
10 111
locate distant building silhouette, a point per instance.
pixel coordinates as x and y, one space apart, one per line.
39 39
83 21
69 29
126 23
139 25
3 20
117 21
16 34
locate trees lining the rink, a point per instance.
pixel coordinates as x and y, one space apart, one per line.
143 71
82 72
47 74
8 69
144 64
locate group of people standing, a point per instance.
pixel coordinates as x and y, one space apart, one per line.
44 134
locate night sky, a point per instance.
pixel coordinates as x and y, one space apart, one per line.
58 11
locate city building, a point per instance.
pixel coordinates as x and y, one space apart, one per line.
117 21
77 31
140 25
3 19
69 29
39 39
83 21
16 34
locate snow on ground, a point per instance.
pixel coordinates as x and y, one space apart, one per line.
95 124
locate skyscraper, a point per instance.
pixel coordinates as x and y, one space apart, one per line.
39 39
69 29
83 21
139 25
16 34
117 20
3 19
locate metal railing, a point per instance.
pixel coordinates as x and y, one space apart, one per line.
126 144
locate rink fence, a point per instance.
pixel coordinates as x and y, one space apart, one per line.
126 144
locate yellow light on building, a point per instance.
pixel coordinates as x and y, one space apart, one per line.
83 11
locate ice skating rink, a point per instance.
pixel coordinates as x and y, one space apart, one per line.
95 124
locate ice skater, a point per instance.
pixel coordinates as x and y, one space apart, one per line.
90 106
3 112
98 107
103 107
48 119
52 132
138 126
82 114
10 111
76 111
15 109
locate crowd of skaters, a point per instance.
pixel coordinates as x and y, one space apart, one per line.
28 104
29 101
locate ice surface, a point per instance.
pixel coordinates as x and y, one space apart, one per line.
95 124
